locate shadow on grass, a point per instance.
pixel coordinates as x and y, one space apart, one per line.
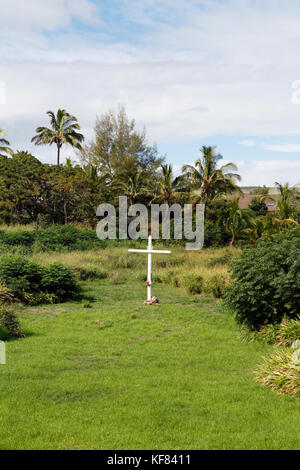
7 337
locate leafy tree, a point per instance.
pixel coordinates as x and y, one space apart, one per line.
4 145
64 130
216 231
209 179
119 151
31 191
24 188
258 207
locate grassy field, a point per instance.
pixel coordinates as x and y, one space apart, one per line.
172 376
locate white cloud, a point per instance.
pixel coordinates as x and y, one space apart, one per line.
209 68
285 148
248 143
260 172
17 16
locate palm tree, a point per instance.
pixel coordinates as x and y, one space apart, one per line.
286 205
4 149
260 226
210 179
168 187
63 130
133 187
238 220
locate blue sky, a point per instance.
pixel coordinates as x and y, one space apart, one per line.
203 72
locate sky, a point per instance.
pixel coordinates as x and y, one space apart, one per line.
202 72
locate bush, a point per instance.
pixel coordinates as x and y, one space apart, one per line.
215 235
258 207
17 237
20 275
59 280
66 238
10 323
266 281
27 282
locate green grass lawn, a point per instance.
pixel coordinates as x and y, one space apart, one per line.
175 376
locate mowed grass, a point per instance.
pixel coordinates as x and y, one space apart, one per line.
172 376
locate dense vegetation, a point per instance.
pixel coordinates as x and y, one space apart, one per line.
266 281
120 161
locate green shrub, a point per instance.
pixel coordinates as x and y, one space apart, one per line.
266 281
27 282
215 235
20 275
17 237
59 280
65 238
10 323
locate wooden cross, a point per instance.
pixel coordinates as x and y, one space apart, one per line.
150 252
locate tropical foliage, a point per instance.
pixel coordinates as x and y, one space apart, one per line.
4 145
64 130
209 179
119 161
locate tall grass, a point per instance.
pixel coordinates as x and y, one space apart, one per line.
178 269
280 373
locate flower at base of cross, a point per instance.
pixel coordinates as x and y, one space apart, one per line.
148 283
152 301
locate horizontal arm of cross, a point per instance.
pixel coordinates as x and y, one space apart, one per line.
149 251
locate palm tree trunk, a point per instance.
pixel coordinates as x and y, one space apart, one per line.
232 239
58 154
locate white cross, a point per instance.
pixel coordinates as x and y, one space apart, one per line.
150 252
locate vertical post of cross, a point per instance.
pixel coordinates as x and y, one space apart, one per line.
149 276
